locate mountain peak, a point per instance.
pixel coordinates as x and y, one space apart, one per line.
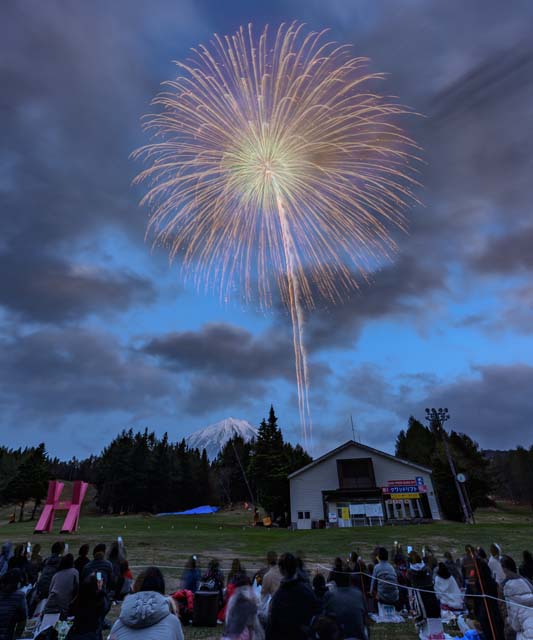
213 437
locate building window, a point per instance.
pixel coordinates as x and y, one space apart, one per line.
356 473
304 515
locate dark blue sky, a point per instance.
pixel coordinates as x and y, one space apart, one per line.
97 332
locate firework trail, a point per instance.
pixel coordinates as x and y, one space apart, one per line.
274 167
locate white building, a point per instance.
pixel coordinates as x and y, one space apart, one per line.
357 485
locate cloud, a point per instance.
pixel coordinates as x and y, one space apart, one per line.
227 351
51 374
400 290
506 254
493 405
54 291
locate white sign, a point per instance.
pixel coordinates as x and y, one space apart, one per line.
357 509
332 516
374 510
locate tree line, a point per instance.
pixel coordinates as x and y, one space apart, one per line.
140 472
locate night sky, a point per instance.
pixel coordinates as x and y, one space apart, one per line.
98 332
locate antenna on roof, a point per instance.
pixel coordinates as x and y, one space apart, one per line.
353 430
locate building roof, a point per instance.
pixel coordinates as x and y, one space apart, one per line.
360 446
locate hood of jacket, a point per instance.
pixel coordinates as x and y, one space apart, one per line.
418 567
519 590
144 609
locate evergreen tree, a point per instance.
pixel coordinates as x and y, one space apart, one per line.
31 479
424 446
271 463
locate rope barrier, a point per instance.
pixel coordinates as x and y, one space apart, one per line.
368 575
403 586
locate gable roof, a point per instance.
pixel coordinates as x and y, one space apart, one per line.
359 446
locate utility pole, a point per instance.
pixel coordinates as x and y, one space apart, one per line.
243 472
436 419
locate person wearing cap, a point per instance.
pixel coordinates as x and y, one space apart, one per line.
495 563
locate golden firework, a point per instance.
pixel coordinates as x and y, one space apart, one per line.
274 166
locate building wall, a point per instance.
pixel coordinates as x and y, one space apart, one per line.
306 488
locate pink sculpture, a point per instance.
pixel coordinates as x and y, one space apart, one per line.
73 508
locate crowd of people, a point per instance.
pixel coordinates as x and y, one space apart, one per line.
283 600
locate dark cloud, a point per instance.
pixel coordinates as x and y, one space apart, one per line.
507 254
493 406
399 290
56 373
217 392
53 291
226 350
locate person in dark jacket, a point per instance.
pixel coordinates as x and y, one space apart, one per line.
213 580
5 556
36 564
526 568
319 587
50 568
421 577
82 559
13 609
452 567
346 605
99 565
89 609
338 567
20 561
191 575
116 556
293 605
486 609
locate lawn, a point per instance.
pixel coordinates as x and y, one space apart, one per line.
168 541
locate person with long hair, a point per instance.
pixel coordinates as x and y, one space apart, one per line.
242 621
82 559
20 561
89 609
36 563
447 589
526 568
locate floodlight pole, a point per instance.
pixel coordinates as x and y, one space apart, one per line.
438 418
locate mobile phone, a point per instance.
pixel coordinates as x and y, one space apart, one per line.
99 576
28 547
409 548
66 547
119 539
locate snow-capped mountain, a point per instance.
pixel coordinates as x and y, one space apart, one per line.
214 437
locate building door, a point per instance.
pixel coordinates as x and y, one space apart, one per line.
343 515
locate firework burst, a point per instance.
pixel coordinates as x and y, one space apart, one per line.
275 168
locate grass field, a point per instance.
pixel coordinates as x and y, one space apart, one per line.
168 541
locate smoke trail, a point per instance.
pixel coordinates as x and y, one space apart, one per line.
297 320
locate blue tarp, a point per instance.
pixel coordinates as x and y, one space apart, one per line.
197 511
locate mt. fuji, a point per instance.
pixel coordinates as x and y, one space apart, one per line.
215 436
